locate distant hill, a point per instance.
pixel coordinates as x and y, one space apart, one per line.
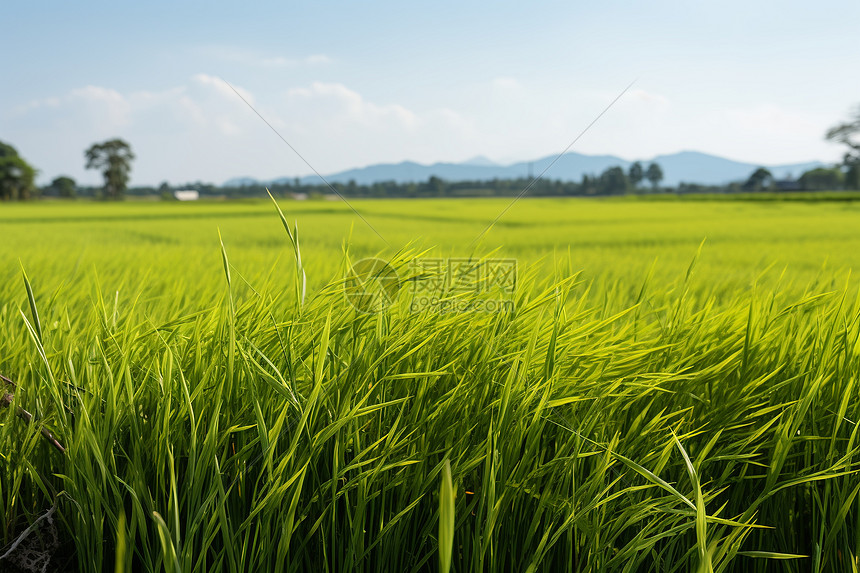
686 166
240 181
480 160
695 167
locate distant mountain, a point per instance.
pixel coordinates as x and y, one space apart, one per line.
481 161
686 166
695 167
240 181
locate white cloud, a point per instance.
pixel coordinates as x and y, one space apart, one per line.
317 59
773 120
202 130
277 62
36 104
345 105
106 106
506 83
648 98
256 59
221 87
191 109
340 128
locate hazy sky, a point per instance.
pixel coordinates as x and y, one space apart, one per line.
353 83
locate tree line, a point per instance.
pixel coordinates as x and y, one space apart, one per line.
114 157
613 181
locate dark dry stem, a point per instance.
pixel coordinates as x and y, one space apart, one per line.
7 381
6 401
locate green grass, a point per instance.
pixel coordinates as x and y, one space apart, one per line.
642 408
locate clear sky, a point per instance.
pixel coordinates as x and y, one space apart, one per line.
354 83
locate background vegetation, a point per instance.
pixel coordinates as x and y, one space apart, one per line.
114 159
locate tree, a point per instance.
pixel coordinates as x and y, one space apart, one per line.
114 159
852 175
822 179
65 187
436 186
613 181
636 174
654 175
165 191
760 179
16 175
847 134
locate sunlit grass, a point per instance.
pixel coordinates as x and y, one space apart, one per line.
693 419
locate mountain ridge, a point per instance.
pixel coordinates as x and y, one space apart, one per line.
683 166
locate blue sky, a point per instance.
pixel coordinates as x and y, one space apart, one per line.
350 84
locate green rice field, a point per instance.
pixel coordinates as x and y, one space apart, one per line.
673 388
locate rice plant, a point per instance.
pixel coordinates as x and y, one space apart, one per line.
256 421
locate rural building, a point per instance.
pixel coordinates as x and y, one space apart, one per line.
186 195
